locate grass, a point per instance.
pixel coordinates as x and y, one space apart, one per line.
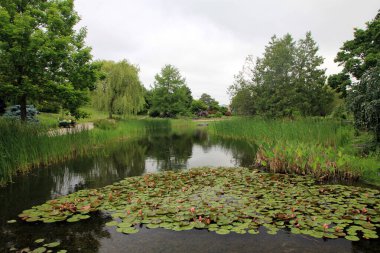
323 148
51 119
24 146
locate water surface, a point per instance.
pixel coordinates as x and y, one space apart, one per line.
153 153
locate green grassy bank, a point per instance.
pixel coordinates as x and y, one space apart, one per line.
24 146
324 148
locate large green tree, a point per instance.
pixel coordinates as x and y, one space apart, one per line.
170 94
42 55
212 104
286 81
364 101
120 90
360 58
363 52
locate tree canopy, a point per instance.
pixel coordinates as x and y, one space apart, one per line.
212 104
360 58
120 90
364 101
286 81
170 95
363 52
42 55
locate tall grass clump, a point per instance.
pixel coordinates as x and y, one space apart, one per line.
320 147
27 145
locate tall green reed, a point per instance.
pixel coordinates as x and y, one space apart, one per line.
27 145
320 147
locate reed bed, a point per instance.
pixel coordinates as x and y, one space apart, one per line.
314 146
24 146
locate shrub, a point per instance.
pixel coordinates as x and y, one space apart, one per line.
15 112
105 124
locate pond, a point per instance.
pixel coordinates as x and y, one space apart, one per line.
153 153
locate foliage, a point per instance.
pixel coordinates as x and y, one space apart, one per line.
364 101
242 102
2 106
360 58
105 124
120 91
42 56
322 148
363 52
212 104
340 82
223 200
198 106
24 146
14 112
286 81
170 95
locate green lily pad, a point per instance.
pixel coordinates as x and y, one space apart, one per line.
39 240
39 250
224 200
352 238
130 230
222 231
112 223
52 244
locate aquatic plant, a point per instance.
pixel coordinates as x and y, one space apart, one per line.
322 148
223 200
24 146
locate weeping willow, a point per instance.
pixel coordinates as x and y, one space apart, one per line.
119 91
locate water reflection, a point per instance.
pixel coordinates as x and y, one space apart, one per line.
156 152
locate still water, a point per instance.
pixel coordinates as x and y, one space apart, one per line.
153 153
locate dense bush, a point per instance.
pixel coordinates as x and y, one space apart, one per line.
15 112
105 124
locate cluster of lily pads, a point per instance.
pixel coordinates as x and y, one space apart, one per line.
224 200
42 247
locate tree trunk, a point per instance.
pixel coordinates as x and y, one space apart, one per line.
110 109
23 107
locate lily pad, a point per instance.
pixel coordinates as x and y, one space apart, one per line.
39 250
223 200
39 240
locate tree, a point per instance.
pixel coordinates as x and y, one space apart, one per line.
363 52
212 104
2 106
120 91
364 101
286 81
170 95
360 58
242 103
340 82
198 106
42 55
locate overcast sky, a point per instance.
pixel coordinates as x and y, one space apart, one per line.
208 40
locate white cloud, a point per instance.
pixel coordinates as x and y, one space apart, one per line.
209 39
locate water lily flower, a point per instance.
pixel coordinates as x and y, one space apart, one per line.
200 218
192 209
325 226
